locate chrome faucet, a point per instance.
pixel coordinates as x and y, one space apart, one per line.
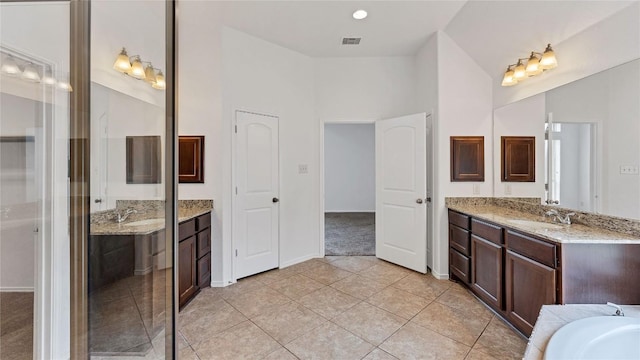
122 217
566 219
619 311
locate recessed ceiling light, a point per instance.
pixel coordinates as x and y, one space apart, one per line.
359 14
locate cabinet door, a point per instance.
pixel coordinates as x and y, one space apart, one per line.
486 273
204 271
529 285
187 269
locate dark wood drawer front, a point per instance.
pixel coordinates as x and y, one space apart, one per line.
186 229
460 266
204 243
487 231
204 271
459 239
459 219
532 248
203 221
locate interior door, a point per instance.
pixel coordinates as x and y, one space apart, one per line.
256 214
401 191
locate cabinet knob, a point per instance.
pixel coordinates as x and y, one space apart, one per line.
275 199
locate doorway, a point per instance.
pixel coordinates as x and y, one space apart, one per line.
349 188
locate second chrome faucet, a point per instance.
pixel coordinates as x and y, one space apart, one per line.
566 219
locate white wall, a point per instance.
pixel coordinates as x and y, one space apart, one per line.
349 168
357 89
464 109
611 42
522 118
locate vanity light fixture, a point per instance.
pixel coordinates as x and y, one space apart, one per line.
133 66
534 65
30 70
10 67
359 14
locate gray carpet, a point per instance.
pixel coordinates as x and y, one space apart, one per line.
349 234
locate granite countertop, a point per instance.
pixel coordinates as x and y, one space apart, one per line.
113 228
553 317
574 233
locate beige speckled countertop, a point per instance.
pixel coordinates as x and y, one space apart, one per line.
574 233
113 228
553 317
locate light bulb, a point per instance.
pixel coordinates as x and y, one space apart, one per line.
122 63
519 73
359 14
30 74
548 60
137 70
533 65
160 83
150 74
10 67
508 79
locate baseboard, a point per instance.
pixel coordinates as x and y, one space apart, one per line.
218 284
16 289
439 276
299 260
349 211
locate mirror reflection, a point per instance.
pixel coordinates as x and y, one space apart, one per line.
591 154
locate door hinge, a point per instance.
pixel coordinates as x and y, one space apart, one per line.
236 129
236 252
236 190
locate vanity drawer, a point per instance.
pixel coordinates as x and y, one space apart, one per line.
459 219
459 239
204 243
460 266
186 229
487 231
532 248
203 221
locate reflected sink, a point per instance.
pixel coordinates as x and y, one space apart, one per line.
145 222
535 224
599 337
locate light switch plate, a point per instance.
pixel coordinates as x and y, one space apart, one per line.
507 189
303 169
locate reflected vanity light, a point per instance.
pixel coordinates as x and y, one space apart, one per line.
30 70
534 65
133 66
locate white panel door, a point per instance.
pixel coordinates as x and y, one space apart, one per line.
256 214
401 191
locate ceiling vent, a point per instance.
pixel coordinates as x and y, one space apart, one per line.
351 41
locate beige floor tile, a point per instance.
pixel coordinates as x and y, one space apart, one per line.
258 302
415 342
479 355
399 302
461 326
330 341
240 287
500 341
289 322
327 274
424 285
201 307
308 265
296 286
243 341
275 275
461 299
182 343
187 354
330 258
281 354
385 273
358 286
369 322
199 325
378 354
353 264
328 302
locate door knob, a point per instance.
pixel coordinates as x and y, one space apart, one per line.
275 200
419 201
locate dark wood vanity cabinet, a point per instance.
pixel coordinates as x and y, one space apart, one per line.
459 246
194 267
513 273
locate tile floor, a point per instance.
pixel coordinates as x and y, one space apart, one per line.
16 325
343 307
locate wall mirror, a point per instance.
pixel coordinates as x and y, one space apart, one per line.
587 143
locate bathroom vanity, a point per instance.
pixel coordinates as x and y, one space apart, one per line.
517 262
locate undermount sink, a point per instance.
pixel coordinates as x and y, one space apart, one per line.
599 337
145 222
535 224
